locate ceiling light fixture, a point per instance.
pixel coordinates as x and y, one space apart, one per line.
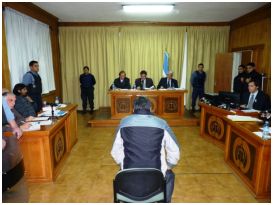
148 8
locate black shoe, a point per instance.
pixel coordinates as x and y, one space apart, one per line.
84 111
92 111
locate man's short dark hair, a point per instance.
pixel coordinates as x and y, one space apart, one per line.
242 66
256 83
86 67
32 63
121 72
143 72
142 104
201 64
17 87
251 64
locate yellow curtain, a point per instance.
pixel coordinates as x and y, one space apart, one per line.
202 46
96 47
143 48
107 50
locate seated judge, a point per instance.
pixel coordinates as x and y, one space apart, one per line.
168 82
144 82
122 81
23 104
255 98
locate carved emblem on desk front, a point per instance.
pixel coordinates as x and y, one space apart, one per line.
123 105
59 146
171 105
216 127
241 155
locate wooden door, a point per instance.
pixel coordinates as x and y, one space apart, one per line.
223 72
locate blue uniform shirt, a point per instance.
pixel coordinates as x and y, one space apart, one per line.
87 81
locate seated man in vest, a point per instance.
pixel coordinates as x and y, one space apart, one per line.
122 82
34 84
146 141
168 82
255 98
143 82
23 104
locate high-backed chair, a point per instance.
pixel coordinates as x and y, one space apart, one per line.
145 185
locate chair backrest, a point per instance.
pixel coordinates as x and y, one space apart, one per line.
140 185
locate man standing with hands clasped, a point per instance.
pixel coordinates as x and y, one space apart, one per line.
87 82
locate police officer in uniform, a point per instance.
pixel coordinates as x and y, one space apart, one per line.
197 80
34 84
87 81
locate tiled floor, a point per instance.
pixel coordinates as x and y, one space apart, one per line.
201 175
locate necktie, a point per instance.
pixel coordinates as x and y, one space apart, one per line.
250 102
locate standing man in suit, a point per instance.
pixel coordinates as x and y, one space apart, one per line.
87 82
34 84
122 81
144 82
168 82
255 98
252 74
239 85
198 78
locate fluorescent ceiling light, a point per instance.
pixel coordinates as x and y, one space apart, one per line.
148 8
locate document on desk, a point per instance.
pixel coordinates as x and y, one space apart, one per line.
239 118
35 119
250 111
33 126
260 134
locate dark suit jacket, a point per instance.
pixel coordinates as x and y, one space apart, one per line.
261 102
149 82
123 85
163 83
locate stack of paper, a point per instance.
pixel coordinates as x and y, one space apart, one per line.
239 118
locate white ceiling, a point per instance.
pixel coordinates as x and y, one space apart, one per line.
183 11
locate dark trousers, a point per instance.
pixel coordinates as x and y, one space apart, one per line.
37 102
197 92
87 94
170 180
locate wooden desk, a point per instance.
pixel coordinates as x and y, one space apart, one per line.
165 103
45 151
249 156
212 124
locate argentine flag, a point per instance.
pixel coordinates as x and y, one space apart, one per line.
165 64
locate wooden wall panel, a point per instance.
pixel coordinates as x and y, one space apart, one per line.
254 30
5 65
47 18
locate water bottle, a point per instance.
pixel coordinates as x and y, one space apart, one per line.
134 86
56 100
113 86
266 131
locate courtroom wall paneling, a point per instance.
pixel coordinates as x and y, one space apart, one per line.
254 31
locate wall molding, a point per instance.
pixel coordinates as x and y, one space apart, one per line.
141 23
